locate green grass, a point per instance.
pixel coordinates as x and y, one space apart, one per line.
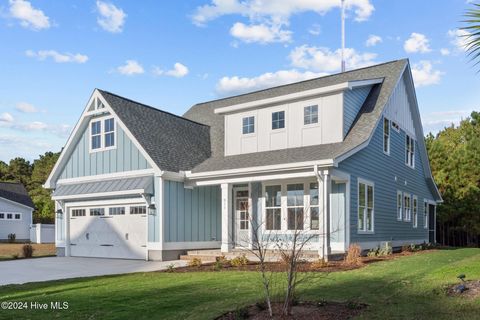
410 287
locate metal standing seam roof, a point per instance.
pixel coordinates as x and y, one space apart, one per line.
95 187
16 192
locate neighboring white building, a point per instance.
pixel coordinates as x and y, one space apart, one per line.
16 210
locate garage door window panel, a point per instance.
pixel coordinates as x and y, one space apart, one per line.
116 211
138 210
97 212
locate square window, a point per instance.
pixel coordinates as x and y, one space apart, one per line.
17 216
278 120
310 114
2 215
9 216
248 125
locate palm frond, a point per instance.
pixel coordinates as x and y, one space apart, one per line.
471 36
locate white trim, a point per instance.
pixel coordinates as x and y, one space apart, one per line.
367 184
102 133
94 203
107 176
100 194
16 203
298 95
190 245
257 178
260 169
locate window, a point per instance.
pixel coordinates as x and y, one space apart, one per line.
409 151
310 114
425 214
314 209
365 207
248 125
109 133
406 207
2 215
116 211
273 204
295 206
78 212
96 132
395 126
415 211
97 212
9 216
18 216
138 210
386 136
278 120
399 205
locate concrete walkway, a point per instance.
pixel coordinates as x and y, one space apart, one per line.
55 268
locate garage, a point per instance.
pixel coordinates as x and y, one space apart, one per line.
109 231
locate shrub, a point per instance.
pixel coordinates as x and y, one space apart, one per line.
353 256
195 262
27 250
239 261
171 267
318 264
218 265
12 237
386 250
374 252
410 248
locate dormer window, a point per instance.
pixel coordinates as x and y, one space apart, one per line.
248 125
278 120
310 115
102 134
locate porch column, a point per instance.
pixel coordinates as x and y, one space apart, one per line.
326 180
66 216
226 217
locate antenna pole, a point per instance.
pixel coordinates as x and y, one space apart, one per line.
343 35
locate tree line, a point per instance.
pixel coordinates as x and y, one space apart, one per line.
33 176
455 160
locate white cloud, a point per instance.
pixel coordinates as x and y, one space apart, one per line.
57 57
315 30
445 52
322 59
236 85
373 40
131 67
29 17
6 117
111 18
459 38
417 43
26 107
424 74
436 121
261 33
179 70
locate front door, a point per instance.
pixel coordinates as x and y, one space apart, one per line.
242 217
431 223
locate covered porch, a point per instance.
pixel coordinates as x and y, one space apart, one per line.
307 207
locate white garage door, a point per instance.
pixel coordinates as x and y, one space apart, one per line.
114 231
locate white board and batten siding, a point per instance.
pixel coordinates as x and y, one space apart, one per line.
20 227
398 109
329 128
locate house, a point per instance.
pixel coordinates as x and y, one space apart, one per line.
341 157
16 210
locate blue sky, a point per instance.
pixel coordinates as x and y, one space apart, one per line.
173 54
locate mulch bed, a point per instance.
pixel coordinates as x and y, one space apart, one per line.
302 310
472 286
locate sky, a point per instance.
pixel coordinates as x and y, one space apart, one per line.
173 54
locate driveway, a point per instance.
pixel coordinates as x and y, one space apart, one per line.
55 268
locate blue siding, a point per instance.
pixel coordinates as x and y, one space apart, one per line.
191 214
389 174
126 157
352 102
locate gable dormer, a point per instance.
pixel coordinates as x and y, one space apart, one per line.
311 117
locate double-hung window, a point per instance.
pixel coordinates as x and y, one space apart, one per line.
310 115
248 125
386 136
96 133
409 151
365 206
425 214
102 134
278 120
273 207
314 207
109 133
406 207
295 206
399 205
415 211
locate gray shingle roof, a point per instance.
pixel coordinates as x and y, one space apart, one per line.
360 132
16 192
173 143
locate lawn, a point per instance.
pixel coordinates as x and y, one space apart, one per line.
8 250
409 287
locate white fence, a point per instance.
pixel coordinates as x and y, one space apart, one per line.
42 233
